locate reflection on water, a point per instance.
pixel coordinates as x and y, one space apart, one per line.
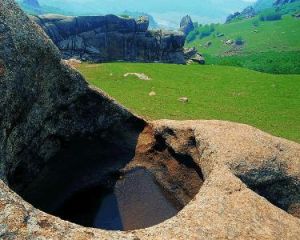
108 215
135 202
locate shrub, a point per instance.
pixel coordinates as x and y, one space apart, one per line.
255 23
201 32
239 41
192 36
270 16
206 30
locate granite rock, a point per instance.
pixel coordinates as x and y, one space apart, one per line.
112 38
251 180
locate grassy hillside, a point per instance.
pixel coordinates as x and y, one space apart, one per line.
269 46
269 102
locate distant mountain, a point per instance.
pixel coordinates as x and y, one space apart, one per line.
31 6
282 6
152 23
167 13
32 3
282 2
263 4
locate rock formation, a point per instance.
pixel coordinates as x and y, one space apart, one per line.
112 38
248 12
232 16
186 25
53 122
192 55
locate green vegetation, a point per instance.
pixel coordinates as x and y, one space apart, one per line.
270 15
239 41
267 46
201 31
269 102
270 62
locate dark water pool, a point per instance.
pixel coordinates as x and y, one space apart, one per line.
135 202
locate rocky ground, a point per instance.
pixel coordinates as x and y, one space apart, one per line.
249 181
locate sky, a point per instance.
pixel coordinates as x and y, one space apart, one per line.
165 12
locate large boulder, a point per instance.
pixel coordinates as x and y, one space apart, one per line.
56 130
111 38
192 55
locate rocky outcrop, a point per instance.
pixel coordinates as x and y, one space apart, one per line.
232 16
53 122
248 12
186 25
193 56
112 38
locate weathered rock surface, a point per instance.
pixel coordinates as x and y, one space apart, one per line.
193 56
251 186
112 38
186 25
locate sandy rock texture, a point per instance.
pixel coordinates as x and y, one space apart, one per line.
249 180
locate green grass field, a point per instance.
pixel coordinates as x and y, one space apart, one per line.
268 102
269 46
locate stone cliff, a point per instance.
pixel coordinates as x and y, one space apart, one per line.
112 38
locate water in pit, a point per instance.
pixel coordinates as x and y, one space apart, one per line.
135 202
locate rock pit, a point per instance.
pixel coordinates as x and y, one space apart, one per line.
67 148
112 186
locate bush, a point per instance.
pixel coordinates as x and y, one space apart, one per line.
255 23
206 30
270 16
201 32
239 41
192 36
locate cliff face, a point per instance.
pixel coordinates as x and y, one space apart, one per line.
111 38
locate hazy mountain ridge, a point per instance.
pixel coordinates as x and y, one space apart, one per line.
265 5
167 13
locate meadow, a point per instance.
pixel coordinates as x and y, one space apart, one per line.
267 101
268 46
